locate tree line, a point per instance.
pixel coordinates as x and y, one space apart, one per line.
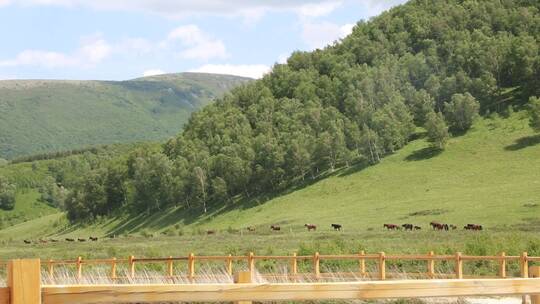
428 63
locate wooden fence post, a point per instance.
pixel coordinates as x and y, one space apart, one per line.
534 272
131 266
113 269
317 265
191 266
459 266
243 277
382 266
79 268
524 263
431 265
251 262
229 265
24 281
51 269
524 270
362 262
502 265
170 266
294 265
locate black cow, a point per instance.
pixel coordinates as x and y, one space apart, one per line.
337 227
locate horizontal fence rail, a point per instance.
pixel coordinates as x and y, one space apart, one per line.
289 291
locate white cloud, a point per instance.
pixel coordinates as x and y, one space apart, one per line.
181 8
375 7
246 70
153 72
318 9
196 44
4 2
92 50
318 35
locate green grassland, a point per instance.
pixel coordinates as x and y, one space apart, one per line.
39 116
490 176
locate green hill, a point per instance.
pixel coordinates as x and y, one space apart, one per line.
489 176
39 116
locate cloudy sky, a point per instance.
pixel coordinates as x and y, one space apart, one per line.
124 39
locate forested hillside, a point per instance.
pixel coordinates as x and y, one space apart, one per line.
426 65
41 116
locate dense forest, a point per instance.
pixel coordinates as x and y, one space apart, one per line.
430 64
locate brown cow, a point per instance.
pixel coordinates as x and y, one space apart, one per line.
275 228
310 227
391 226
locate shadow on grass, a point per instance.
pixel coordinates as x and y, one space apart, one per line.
423 154
523 143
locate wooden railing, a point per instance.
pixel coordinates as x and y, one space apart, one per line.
250 260
24 287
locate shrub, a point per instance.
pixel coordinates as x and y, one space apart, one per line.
461 111
534 110
7 194
437 130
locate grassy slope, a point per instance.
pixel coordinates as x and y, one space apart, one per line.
490 176
39 116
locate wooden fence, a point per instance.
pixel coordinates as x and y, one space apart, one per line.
25 285
380 259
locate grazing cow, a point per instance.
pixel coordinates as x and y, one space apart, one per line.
337 227
81 240
93 239
435 225
43 241
417 228
53 240
473 227
391 226
310 227
275 228
251 228
407 226
209 232
27 242
70 240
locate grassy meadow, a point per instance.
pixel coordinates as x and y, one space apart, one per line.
490 176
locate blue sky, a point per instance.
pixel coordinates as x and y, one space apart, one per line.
125 39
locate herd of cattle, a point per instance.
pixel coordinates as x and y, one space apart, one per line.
434 226
310 227
43 241
411 227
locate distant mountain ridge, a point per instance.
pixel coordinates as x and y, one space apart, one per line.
40 116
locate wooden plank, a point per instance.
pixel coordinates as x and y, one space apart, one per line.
24 281
243 277
4 295
287 292
534 272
